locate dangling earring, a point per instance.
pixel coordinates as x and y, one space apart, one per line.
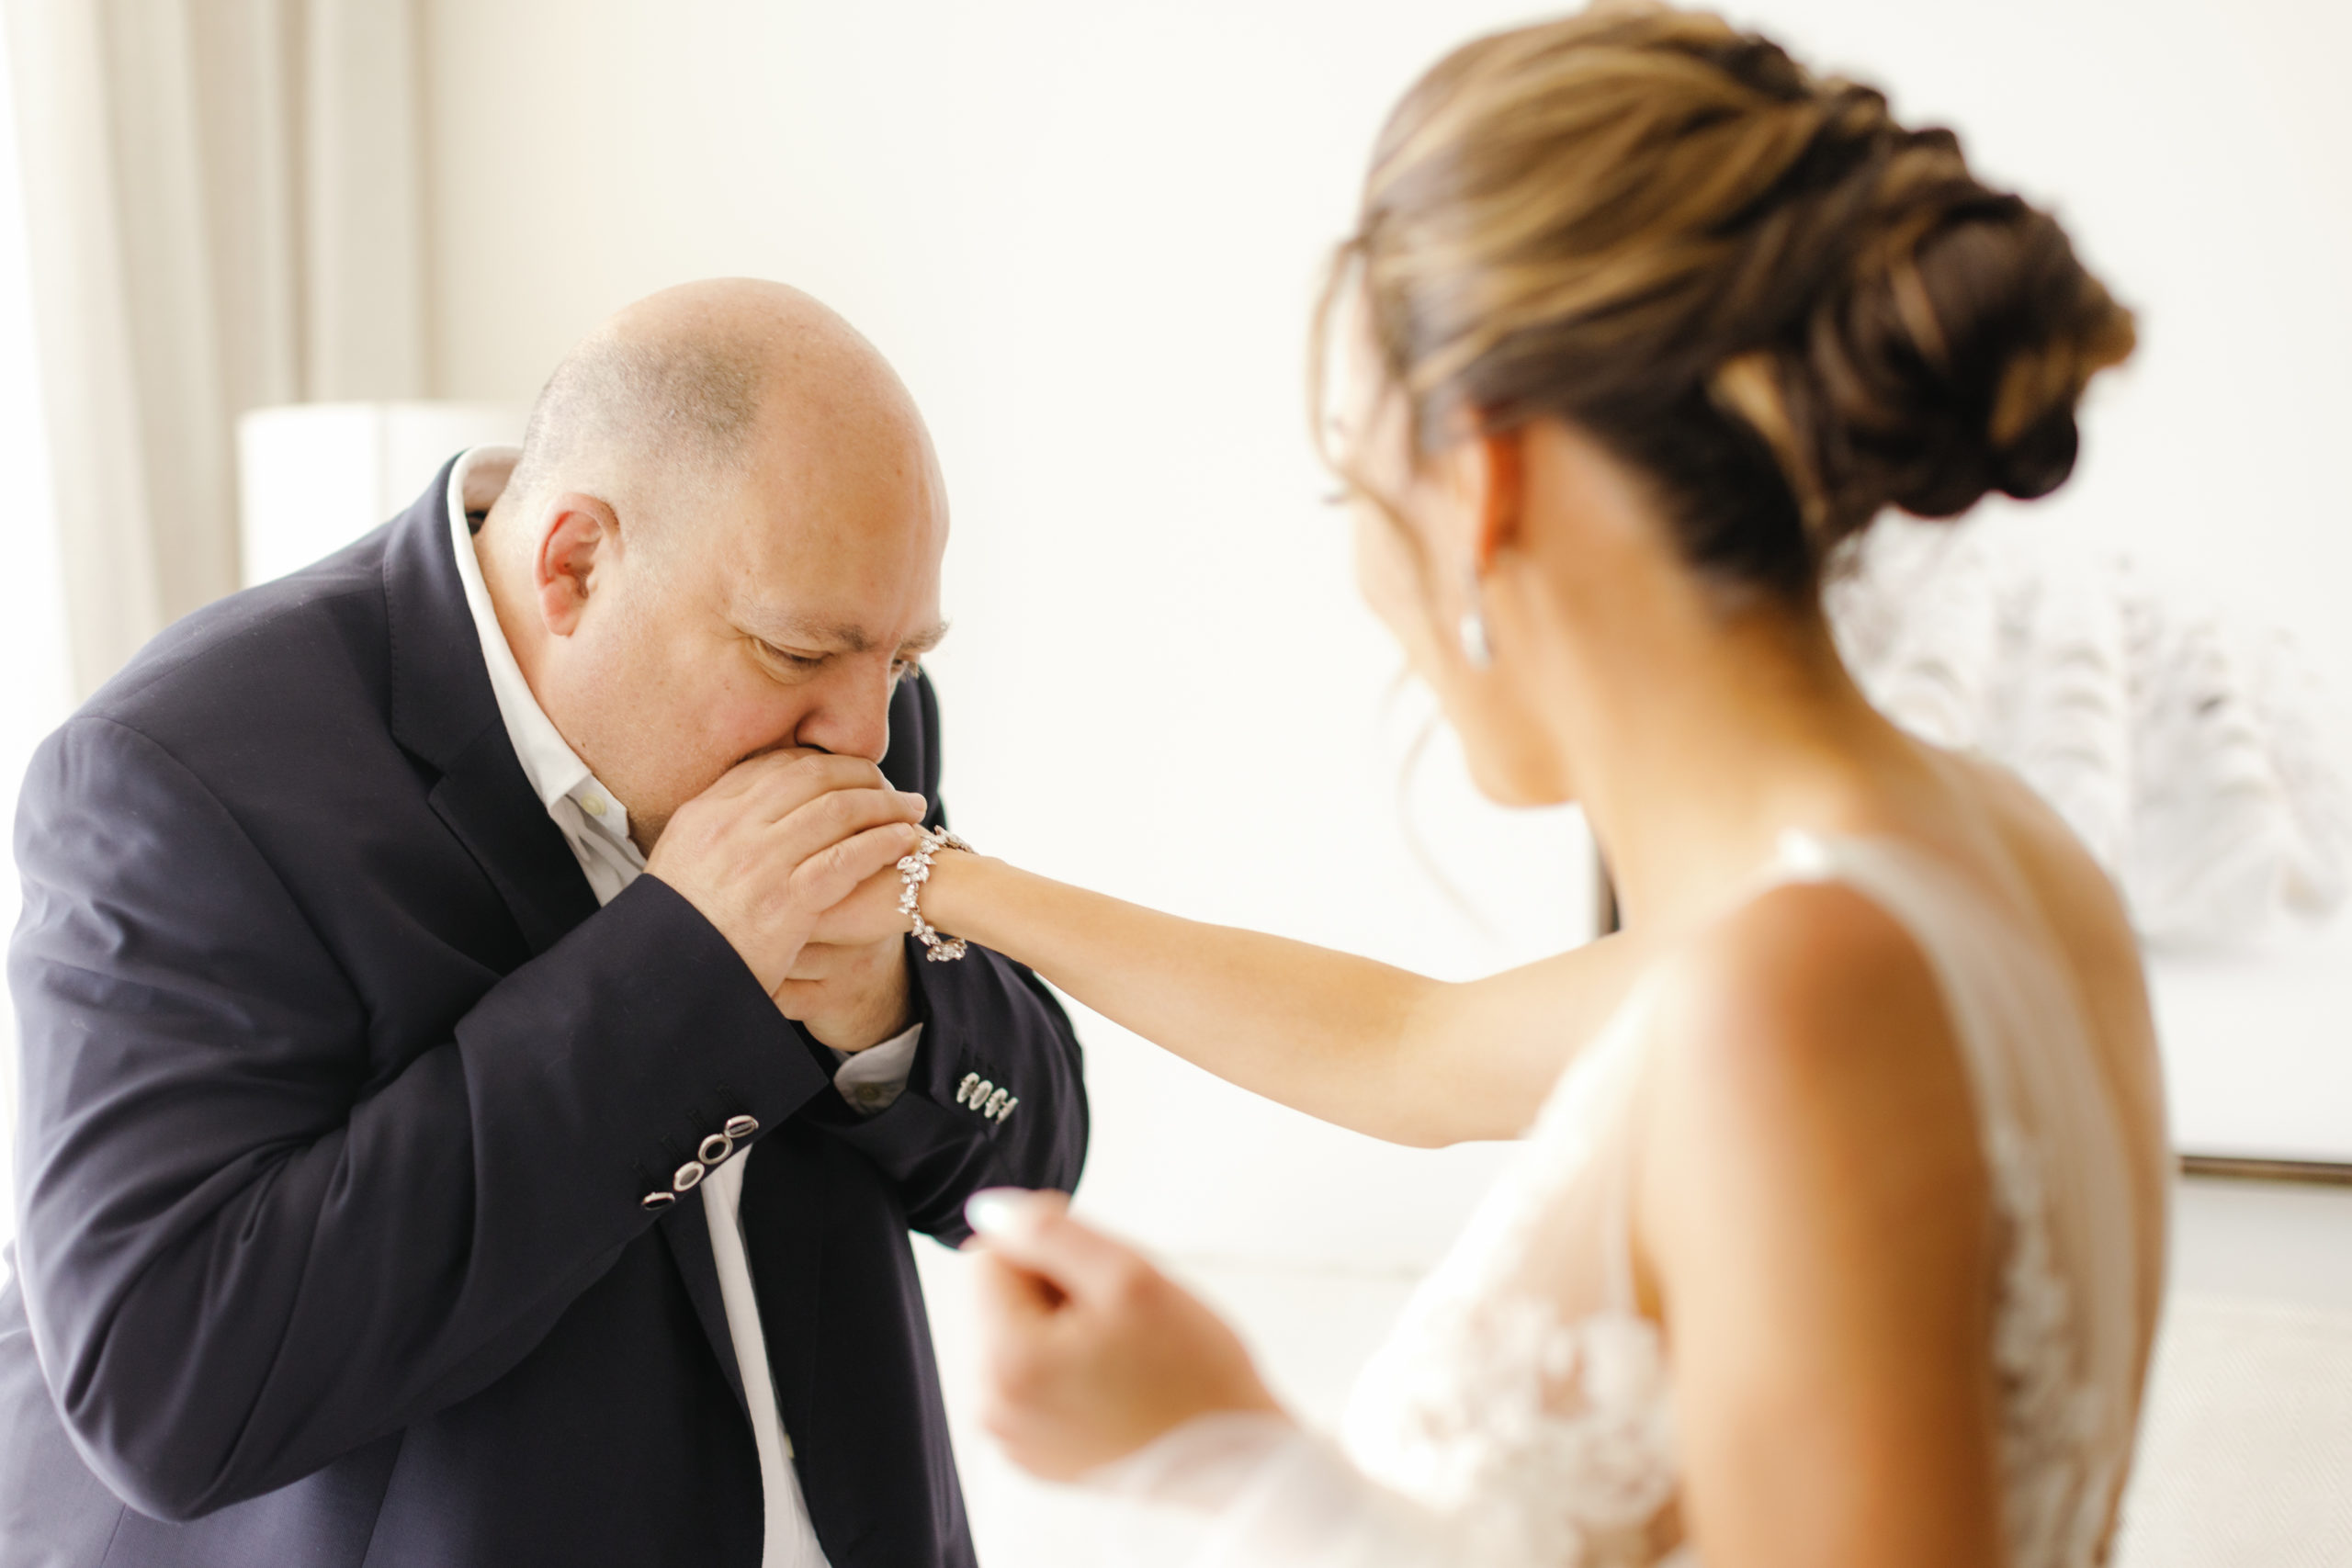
1474 646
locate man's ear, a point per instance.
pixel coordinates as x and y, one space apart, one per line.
579 536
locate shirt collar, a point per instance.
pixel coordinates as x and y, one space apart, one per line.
553 767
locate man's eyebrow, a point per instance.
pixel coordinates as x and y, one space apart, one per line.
809 631
845 636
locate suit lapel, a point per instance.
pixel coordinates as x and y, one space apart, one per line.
487 802
443 710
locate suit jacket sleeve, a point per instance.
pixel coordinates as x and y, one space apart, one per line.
252 1241
986 1018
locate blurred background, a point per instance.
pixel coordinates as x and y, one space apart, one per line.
266 263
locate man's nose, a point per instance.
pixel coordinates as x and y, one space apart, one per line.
853 720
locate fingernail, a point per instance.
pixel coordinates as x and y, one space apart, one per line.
995 1211
909 795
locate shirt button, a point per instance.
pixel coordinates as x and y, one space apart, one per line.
593 804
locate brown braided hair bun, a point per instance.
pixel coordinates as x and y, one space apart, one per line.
1787 310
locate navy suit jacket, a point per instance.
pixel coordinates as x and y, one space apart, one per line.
340 1098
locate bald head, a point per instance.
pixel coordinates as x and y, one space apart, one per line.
723 537
686 386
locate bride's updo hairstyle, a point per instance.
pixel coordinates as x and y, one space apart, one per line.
1786 310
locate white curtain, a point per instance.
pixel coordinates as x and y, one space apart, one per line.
223 210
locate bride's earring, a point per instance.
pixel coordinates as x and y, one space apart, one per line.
1474 646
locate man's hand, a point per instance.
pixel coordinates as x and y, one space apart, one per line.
851 987
849 997
776 842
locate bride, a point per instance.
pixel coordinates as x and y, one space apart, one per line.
1837 1230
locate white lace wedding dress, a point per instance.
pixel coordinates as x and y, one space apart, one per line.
1522 1414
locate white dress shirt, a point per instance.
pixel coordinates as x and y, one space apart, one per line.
595 824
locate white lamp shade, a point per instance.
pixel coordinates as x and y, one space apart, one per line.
314 477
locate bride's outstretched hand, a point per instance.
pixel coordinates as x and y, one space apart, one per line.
1090 1351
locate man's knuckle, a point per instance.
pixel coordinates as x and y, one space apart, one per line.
841 807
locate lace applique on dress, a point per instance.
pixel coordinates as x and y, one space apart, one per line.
1549 1434
1551 1441
2051 1419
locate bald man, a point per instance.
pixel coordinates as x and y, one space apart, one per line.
477 1082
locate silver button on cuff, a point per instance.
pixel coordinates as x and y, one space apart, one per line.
689 1177
714 1149
660 1199
740 1127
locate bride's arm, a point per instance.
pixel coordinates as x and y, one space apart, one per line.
1361 1043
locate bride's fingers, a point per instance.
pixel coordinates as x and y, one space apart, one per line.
1034 1231
1006 1217
1010 1301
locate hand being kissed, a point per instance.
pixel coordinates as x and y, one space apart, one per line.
793 855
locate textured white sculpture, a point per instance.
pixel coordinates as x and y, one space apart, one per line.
2201 765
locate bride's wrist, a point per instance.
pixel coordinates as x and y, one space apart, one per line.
947 899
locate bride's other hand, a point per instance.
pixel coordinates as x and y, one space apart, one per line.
1090 1351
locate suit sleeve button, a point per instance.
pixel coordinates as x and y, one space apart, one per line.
714 1149
740 1127
660 1199
689 1177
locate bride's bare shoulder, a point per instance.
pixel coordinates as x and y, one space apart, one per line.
1808 973
1804 1060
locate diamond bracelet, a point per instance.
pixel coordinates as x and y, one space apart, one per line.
913 872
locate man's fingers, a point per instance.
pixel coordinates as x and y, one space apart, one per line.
809 775
867 914
750 774
838 814
834 872
773 784
832 820
1035 1232
815 961
821 960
